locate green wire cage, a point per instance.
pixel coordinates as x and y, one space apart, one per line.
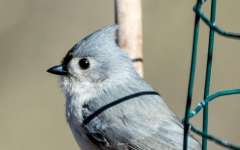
207 97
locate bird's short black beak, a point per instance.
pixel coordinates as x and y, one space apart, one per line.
58 70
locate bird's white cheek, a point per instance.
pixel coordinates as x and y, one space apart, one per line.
72 86
66 84
74 69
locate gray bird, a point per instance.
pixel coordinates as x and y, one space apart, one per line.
96 72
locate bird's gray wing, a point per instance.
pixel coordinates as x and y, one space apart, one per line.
136 125
168 136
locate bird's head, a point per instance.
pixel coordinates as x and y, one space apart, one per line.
94 60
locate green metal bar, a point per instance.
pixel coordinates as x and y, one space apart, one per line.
191 79
207 98
216 140
210 98
213 25
201 105
208 74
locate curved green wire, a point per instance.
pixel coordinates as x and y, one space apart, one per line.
207 99
201 105
213 26
210 98
214 139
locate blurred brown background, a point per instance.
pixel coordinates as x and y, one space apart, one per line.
35 35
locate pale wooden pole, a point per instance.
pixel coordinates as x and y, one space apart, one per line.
128 14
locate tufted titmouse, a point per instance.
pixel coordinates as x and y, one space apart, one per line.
96 73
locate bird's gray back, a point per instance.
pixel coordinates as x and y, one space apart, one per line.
143 123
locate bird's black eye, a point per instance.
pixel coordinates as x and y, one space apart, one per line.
84 63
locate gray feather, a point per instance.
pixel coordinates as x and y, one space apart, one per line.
142 123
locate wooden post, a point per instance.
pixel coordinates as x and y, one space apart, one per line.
128 14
